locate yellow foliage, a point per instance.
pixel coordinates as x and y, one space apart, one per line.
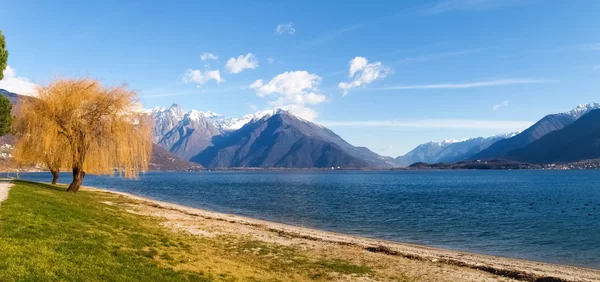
79 124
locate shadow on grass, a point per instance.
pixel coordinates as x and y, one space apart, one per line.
40 185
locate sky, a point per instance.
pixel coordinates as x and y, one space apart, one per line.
387 75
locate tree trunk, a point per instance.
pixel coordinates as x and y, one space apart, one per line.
78 175
54 175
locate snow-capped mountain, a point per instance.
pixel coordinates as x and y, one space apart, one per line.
272 138
449 151
281 139
544 126
583 109
229 124
166 119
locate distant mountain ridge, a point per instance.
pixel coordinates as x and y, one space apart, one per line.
448 151
577 141
544 126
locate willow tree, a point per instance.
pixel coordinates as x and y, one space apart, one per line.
37 146
87 127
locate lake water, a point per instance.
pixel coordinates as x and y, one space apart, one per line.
550 216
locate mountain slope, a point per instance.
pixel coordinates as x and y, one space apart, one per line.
163 160
190 136
544 126
188 133
577 141
284 140
448 151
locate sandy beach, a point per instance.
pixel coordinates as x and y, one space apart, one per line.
432 264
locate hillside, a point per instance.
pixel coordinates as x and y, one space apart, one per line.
163 160
577 141
282 140
544 126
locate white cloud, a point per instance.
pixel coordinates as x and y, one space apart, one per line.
208 56
257 84
489 83
15 84
202 77
434 123
270 60
287 28
363 73
496 107
241 63
294 91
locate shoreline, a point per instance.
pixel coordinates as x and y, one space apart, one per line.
182 218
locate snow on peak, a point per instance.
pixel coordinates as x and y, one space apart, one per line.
175 114
237 123
506 135
583 109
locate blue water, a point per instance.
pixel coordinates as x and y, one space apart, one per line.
550 216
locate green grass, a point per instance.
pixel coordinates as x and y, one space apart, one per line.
49 235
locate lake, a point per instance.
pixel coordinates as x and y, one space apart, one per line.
550 216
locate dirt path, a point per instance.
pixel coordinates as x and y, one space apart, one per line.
4 186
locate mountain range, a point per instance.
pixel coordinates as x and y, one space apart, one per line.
577 141
274 138
541 128
505 146
448 151
278 138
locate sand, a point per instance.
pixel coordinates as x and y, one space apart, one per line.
4 187
426 262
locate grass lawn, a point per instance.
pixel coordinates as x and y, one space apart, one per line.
47 234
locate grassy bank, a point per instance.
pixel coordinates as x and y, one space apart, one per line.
48 235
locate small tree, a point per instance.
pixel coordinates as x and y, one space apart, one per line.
3 55
5 107
5 116
86 126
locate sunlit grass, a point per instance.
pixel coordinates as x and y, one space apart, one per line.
49 235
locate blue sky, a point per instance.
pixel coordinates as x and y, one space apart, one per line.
388 75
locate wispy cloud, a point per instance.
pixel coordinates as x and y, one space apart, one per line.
434 124
590 47
332 35
287 28
498 106
597 67
489 83
444 6
439 56
202 77
208 56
